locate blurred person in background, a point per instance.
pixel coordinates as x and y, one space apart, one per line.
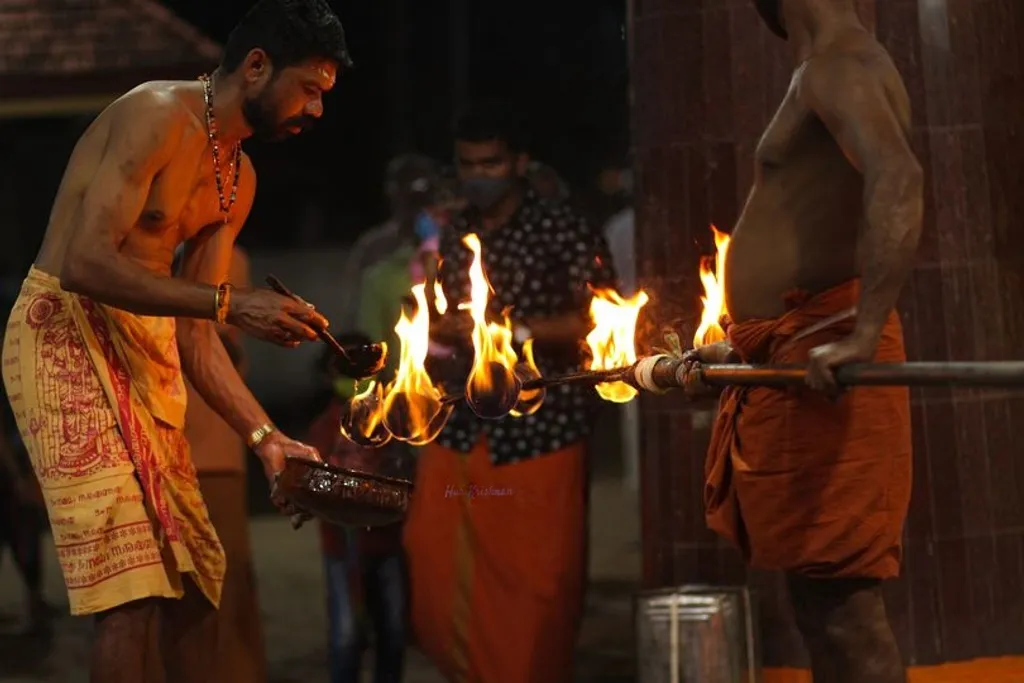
364 569
219 455
497 579
408 178
546 182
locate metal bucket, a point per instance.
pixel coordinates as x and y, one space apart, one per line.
697 634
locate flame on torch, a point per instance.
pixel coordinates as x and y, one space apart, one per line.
362 422
530 400
413 404
712 276
440 303
494 359
612 341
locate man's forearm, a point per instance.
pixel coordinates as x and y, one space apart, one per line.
895 207
116 280
214 377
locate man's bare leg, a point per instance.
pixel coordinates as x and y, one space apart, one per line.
121 643
846 630
188 636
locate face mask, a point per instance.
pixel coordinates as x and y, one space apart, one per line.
426 226
483 193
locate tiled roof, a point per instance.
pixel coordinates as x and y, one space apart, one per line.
66 40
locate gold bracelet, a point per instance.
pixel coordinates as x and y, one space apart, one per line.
222 302
259 434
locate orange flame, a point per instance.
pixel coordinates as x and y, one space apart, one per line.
413 404
440 303
529 401
712 276
612 341
494 359
363 423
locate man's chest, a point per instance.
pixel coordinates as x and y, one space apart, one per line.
188 196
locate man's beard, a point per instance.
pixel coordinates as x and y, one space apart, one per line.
264 123
771 13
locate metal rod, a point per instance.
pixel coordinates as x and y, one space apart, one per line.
666 375
961 374
582 377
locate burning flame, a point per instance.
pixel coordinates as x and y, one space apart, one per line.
494 359
413 402
712 276
530 400
612 341
440 303
365 416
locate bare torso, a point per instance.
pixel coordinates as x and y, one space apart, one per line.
800 225
181 201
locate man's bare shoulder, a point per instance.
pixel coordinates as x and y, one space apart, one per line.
856 67
158 107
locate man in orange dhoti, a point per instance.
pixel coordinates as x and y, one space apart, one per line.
94 360
780 458
496 531
807 480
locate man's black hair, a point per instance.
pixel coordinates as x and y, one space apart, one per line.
489 121
290 32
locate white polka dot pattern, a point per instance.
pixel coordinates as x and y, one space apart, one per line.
540 265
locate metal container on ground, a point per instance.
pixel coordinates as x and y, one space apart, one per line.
697 634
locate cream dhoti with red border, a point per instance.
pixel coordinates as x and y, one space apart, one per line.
99 399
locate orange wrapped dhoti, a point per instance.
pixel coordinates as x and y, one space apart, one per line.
496 564
99 398
803 483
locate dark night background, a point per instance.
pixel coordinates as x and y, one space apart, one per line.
417 62
564 64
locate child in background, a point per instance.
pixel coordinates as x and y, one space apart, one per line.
364 568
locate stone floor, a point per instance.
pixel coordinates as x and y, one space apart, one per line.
291 588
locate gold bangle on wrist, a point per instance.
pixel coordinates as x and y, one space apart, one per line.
259 434
222 302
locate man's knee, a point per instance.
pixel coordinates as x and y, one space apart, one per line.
845 620
123 648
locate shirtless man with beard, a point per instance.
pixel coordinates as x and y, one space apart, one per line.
93 360
816 482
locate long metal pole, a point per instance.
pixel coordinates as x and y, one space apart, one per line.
660 373
668 373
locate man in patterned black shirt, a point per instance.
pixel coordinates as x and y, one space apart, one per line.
496 533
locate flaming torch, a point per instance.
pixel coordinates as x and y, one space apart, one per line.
611 342
712 276
492 389
413 411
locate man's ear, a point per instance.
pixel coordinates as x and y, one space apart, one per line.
256 67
